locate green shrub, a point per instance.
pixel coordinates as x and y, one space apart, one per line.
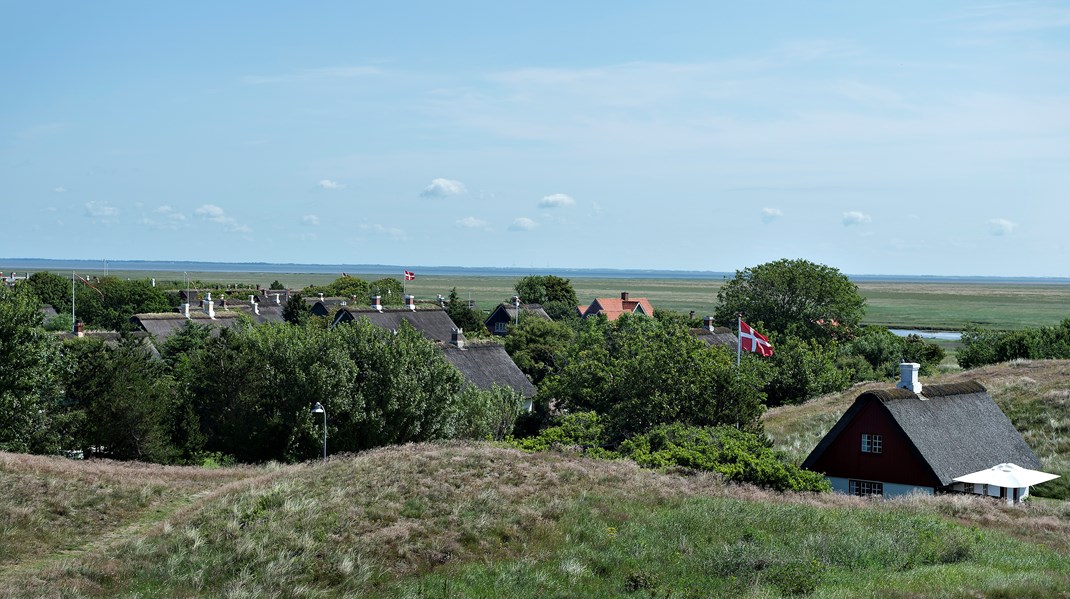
584 430
737 455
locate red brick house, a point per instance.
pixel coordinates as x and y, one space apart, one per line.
612 307
911 439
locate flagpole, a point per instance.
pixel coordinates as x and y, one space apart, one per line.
739 338
74 325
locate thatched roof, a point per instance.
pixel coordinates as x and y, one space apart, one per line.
47 312
485 364
956 429
163 325
432 322
509 310
718 336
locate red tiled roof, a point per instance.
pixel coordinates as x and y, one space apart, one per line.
613 307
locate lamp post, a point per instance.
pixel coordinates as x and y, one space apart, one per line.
318 409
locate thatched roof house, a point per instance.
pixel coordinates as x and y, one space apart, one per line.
507 313
914 439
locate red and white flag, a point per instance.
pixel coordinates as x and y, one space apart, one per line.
753 341
409 275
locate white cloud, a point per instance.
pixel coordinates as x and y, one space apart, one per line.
172 218
443 188
102 212
856 218
523 224
311 220
60 189
215 214
771 214
1001 226
391 232
329 184
471 222
557 200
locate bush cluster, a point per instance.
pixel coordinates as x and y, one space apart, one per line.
737 455
981 347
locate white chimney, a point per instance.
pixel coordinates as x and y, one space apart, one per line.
277 302
908 377
209 306
254 304
321 297
457 338
185 309
377 305
410 302
441 301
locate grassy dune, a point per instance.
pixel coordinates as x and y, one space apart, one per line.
477 521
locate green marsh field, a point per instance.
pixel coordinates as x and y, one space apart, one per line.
899 304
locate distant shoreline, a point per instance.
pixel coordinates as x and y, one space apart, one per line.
34 264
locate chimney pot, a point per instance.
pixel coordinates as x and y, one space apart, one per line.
185 309
908 377
377 304
624 295
707 322
79 329
457 338
410 302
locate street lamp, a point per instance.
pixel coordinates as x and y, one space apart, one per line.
318 409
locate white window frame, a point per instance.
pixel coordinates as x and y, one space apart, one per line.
865 488
872 443
499 327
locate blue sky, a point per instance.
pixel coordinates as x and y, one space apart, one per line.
878 138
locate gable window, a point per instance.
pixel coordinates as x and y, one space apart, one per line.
865 488
872 443
499 327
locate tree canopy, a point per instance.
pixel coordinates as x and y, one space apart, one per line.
639 373
29 386
796 297
554 293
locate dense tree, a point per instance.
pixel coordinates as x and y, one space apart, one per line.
554 293
253 387
127 400
276 286
468 319
29 368
639 373
343 286
796 297
875 353
390 291
296 311
52 289
537 345
801 369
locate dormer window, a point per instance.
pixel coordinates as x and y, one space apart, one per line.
872 443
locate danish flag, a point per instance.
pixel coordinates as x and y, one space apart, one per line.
753 341
409 275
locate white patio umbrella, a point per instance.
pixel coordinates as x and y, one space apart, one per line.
1010 476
